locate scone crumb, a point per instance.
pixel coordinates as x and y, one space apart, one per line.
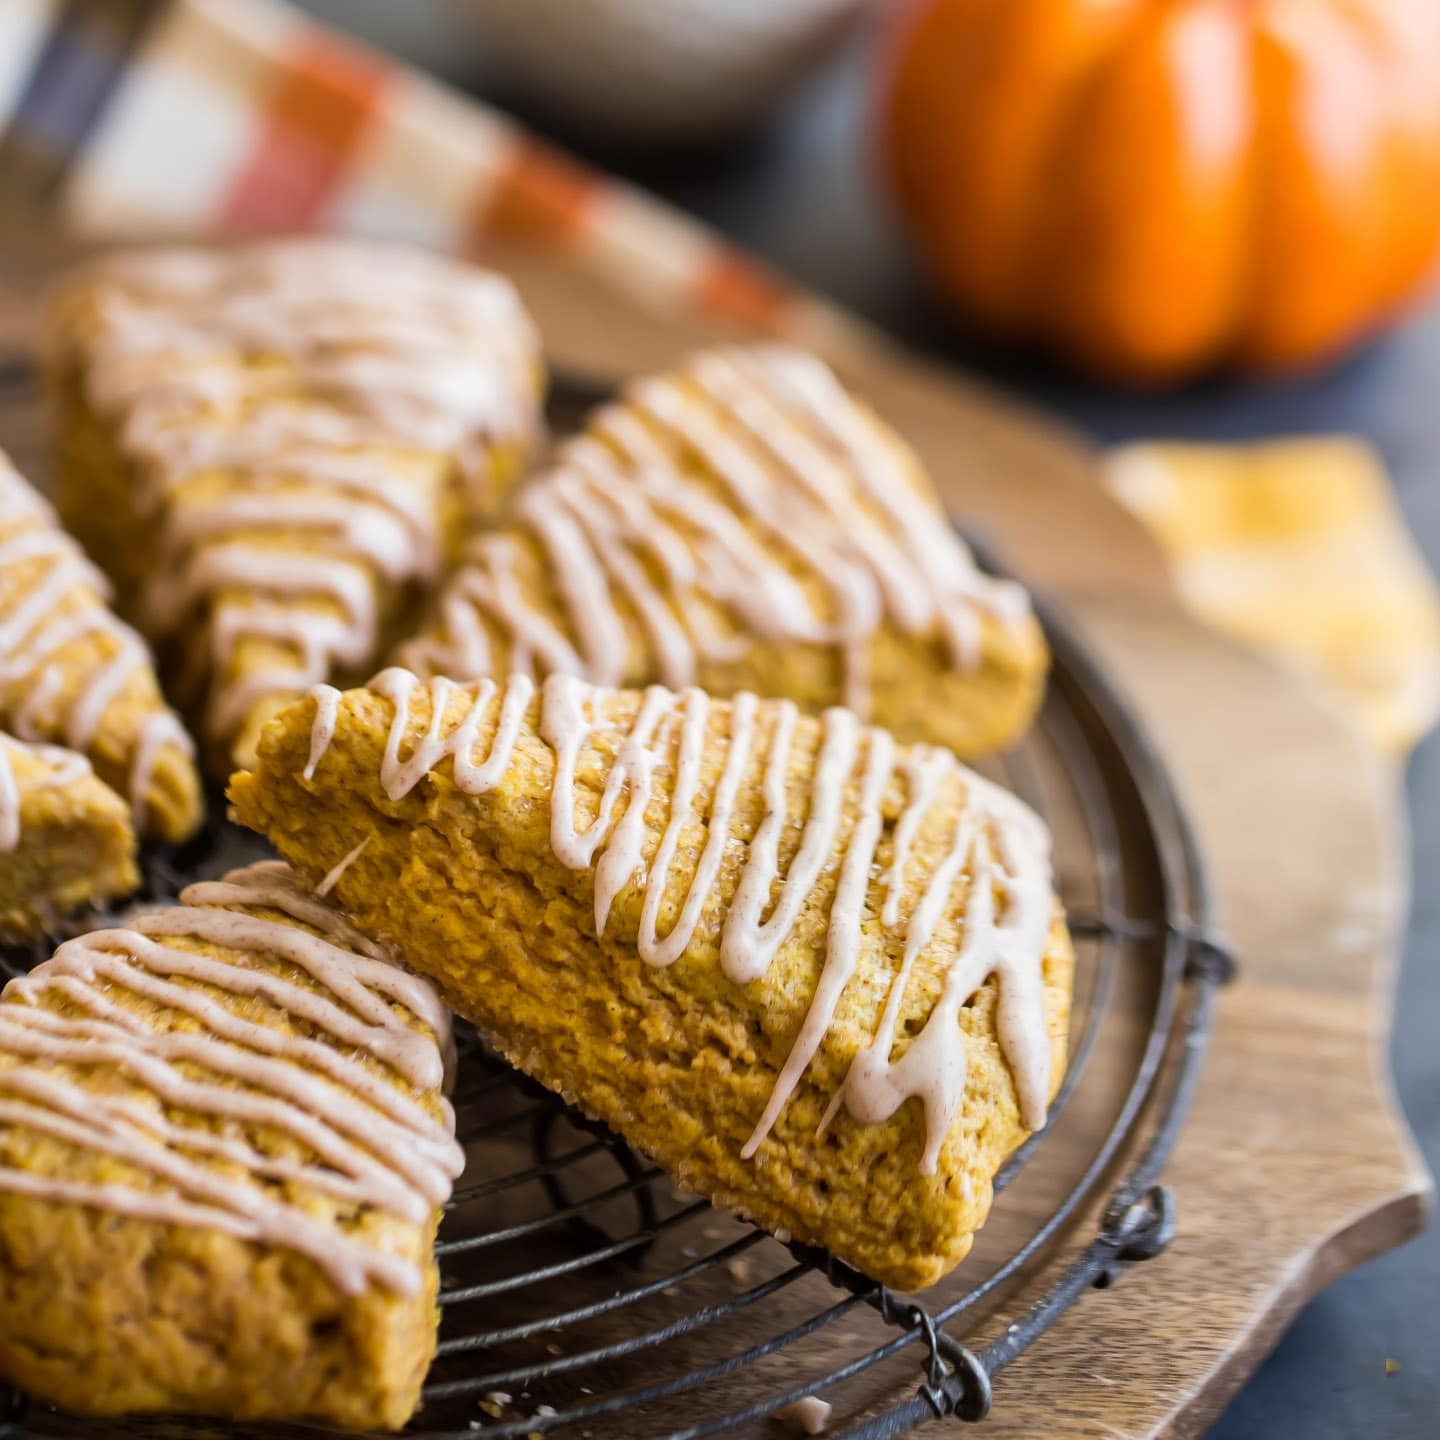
810 1416
493 1402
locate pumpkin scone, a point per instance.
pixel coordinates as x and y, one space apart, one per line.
820 976
65 838
275 450
73 674
223 1152
743 523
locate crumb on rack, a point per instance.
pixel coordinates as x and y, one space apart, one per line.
809 1416
494 1401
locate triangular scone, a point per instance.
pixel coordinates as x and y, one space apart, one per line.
223 1153
547 879
65 838
72 674
274 451
743 523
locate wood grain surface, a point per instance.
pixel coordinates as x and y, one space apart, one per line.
1295 1165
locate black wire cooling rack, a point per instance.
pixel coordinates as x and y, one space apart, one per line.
583 1295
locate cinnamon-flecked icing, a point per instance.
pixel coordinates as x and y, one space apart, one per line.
311 367
998 857
39 620
745 496
369 1142
61 767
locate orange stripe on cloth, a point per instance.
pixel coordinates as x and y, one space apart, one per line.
325 97
538 194
734 286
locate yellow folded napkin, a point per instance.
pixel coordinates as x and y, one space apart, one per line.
1297 546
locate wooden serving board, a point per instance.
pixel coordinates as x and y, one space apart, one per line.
1295 1164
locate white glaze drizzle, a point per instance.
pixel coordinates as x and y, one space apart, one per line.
799 484
61 768
1001 944
322 729
63 603
381 348
333 874
843 937
997 857
374 1144
398 777
653 950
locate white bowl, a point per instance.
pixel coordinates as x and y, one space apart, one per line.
663 71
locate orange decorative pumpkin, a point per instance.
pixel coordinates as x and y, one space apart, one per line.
1154 187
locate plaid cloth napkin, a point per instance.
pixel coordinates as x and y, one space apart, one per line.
227 116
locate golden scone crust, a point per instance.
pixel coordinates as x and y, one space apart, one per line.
109 1305
743 523
105 1315
275 449
680 1058
72 674
65 839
